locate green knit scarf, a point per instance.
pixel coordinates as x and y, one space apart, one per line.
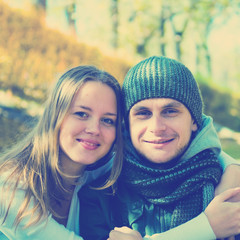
188 187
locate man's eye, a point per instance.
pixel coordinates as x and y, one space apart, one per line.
82 115
108 122
143 114
170 111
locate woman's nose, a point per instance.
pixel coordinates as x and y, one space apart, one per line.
93 127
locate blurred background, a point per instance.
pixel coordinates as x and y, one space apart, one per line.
41 39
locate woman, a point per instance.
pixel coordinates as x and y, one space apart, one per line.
72 143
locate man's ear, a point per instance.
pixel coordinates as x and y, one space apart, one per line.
194 126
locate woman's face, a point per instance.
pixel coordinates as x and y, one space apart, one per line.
89 128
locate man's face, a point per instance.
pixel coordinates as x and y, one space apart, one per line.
160 128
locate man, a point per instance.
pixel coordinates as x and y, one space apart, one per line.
171 165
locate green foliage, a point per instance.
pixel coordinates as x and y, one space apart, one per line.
231 148
223 106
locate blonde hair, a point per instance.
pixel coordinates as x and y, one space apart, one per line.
34 161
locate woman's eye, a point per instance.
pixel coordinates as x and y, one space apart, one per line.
108 121
82 115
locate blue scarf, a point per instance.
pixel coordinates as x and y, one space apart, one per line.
187 187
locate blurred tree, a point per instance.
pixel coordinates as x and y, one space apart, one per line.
115 22
203 14
41 4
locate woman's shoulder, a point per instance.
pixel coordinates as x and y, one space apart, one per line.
92 193
8 180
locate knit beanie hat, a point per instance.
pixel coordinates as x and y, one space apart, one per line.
162 77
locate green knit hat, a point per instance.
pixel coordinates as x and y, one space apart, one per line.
161 77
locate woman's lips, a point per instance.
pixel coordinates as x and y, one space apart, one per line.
89 144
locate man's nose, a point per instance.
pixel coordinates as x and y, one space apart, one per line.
157 124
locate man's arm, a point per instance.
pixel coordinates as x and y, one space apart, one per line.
230 177
226 160
197 229
231 174
221 219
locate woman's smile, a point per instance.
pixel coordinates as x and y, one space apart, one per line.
89 144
